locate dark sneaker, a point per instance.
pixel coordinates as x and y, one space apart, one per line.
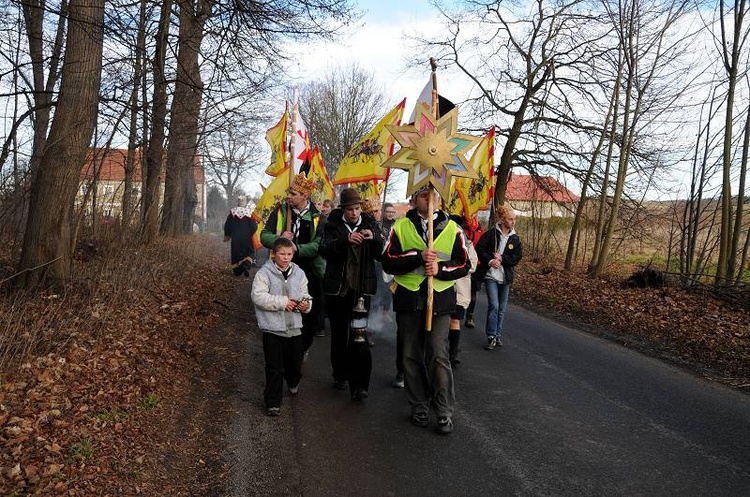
294 390
339 384
420 419
398 381
498 343
444 426
469 323
491 343
320 333
273 411
359 394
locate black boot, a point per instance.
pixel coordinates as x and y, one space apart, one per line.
469 322
453 337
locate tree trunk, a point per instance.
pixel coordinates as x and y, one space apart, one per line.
180 196
47 240
151 166
133 141
731 64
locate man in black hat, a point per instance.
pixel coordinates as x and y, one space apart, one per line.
351 243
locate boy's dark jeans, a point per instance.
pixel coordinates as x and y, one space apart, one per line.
283 357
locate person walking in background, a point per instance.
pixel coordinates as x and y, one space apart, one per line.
388 218
240 227
428 376
326 207
463 297
499 250
351 243
280 294
305 232
473 232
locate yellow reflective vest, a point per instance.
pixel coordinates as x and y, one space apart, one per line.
410 240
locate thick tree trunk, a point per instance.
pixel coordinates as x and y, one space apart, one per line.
179 184
47 240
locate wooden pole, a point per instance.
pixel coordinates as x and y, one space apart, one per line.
431 203
291 159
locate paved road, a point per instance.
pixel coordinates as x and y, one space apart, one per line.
554 412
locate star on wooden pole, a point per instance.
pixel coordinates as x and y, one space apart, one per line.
432 151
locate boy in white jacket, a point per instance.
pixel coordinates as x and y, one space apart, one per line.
280 295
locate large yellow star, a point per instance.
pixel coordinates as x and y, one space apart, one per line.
432 151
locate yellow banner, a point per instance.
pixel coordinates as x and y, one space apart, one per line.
276 137
476 194
323 187
362 162
273 195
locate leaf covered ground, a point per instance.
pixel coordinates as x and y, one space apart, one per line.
121 390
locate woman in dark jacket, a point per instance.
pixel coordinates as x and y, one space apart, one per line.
351 243
499 250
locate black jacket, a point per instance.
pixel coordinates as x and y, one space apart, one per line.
486 252
396 261
335 248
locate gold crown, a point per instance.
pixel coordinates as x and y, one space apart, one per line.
302 185
369 205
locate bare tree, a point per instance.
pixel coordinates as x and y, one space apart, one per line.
151 167
341 108
47 239
180 195
734 33
230 154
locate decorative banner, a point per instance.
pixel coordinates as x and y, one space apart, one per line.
476 194
276 137
371 192
323 187
272 196
432 151
363 161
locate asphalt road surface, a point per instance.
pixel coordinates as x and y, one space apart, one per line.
554 412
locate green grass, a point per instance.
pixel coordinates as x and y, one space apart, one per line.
83 449
149 402
115 414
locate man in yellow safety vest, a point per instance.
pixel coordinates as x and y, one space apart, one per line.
425 364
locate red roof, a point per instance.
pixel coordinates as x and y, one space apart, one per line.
111 166
524 188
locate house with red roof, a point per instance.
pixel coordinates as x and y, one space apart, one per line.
104 171
539 196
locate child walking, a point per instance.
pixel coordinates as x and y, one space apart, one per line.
280 295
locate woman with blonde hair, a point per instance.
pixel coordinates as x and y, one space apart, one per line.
499 250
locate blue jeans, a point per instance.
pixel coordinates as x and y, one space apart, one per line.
497 304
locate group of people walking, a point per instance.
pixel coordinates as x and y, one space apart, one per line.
339 257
